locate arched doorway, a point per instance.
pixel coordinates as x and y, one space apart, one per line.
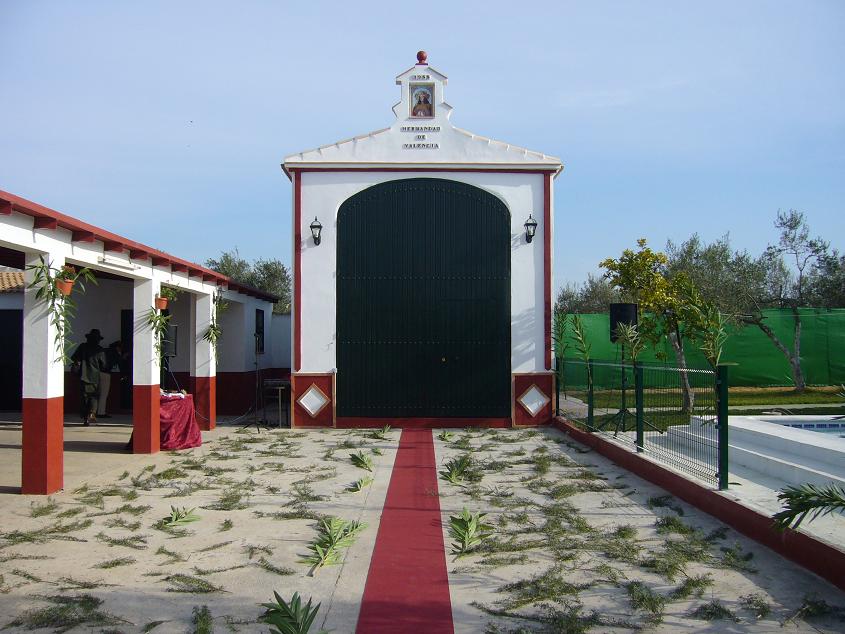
423 302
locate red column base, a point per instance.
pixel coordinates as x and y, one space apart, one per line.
205 400
146 436
42 445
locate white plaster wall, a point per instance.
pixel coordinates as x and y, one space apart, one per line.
322 195
236 351
11 301
99 307
280 325
180 315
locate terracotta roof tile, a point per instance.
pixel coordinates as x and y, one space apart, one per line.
11 281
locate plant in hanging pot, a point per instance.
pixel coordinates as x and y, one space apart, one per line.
213 332
65 279
166 294
158 323
54 287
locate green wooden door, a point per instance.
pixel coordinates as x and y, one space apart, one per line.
423 302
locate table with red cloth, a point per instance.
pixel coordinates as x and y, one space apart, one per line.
179 429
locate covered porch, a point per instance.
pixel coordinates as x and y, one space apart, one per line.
46 434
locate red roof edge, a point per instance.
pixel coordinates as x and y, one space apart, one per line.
115 242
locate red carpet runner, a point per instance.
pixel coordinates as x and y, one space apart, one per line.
407 587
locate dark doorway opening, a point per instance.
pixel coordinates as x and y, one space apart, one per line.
423 302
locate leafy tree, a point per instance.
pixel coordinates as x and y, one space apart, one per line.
721 275
785 288
827 282
593 296
270 276
669 302
796 272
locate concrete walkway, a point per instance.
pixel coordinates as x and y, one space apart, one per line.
107 440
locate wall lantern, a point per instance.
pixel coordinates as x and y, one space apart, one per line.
530 228
316 228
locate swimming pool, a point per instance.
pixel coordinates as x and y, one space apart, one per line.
788 448
834 425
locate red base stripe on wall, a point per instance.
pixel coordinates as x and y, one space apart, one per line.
824 560
407 589
419 423
145 419
42 445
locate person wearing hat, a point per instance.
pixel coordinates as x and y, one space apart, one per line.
89 360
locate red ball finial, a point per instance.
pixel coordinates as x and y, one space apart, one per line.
422 56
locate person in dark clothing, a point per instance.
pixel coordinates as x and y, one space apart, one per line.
89 359
114 354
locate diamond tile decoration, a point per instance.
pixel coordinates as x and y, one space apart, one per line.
533 400
313 401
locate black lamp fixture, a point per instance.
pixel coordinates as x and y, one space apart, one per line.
316 228
530 228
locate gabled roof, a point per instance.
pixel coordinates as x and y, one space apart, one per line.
422 137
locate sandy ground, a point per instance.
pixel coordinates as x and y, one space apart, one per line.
555 506
244 478
562 504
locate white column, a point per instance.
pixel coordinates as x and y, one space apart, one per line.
42 442
146 371
145 364
193 336
204 365
43 370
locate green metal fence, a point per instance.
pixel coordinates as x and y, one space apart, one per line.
677 416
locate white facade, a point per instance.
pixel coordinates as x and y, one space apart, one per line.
322 195
426 148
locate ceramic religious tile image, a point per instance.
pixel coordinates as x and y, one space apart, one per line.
422 101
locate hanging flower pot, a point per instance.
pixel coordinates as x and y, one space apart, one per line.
161 303
65 286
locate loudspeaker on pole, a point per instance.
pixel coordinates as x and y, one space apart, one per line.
621 313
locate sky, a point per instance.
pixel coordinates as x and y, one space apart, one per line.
166 122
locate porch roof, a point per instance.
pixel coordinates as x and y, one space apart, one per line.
46 218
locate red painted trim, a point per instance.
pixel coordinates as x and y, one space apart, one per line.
485 170
822 559
301 383
522 382
207 277
146 436
42 445
43 222
82 236
349 422
407 589
297 273
115 247
547 267
205 400
84 232
138 254
178 268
